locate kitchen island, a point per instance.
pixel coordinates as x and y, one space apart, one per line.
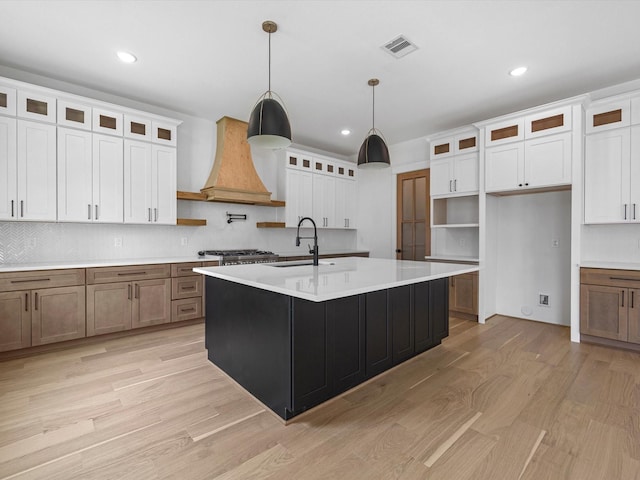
295 335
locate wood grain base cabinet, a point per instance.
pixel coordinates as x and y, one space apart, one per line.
15 321
151 302
41 307
109 308
463 293
187 291
610 304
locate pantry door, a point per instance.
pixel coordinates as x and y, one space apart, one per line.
413 219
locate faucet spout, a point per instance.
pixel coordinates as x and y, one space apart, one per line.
313 251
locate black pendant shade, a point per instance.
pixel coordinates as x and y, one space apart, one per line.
373 152
268 125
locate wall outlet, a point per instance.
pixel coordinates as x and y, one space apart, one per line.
117 242
544 300
184 241
555 243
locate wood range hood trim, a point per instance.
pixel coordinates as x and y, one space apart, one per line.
233 177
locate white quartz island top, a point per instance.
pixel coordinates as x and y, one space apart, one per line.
335 277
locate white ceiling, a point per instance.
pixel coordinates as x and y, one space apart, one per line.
209 58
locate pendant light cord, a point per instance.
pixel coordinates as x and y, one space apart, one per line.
269 61
373 114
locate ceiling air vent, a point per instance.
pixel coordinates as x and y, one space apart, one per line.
399 46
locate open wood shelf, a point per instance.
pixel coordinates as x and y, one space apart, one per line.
191 222
270 224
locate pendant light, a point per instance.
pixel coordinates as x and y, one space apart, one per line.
373 152
268 124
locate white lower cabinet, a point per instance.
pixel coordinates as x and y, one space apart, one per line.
299 196
149 183
537 163
611 175
90 176
36 171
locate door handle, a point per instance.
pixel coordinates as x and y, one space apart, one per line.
36 301
634 211
149 213
129 292
450 183
155 214
21 208
455 185
96 212
625 211
137 292
631 299
622 299
26 302
88 211
12 208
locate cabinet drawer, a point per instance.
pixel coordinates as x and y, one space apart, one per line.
11 282
74 115
128 273
186 287
36 106
7 100
211 263
186 309
614 278
184 269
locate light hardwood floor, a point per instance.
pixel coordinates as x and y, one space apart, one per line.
507 400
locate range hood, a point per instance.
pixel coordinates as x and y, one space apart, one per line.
233 177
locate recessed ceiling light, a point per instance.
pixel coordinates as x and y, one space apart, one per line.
126 57
516 72
345 132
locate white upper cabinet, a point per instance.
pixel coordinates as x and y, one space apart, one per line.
454 165
608 116
36 153
137 182
108 178
75 175
164 133
507 131
608 177
529 152
107 122
163 184
8 169
74 115
299 196
7 100
137 128
36 106
324 201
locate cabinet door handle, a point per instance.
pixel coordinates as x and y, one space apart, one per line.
450 183
36 301
26 302
96 212
12 208
137 293
622 299
455 185
31 280
142 272
88 211
21 208
625 211
634 211
631 298
187 310
129 292
149 213
155 214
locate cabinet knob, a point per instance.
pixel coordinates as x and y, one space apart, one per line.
398 250
526 184
519 184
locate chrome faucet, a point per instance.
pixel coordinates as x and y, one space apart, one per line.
313 251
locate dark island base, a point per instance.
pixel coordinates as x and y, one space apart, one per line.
293 354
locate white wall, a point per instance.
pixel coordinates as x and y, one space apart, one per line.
22 242
527 263
377 197
611 243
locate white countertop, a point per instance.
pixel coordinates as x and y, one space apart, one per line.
26 267
611 265
452 258
344 277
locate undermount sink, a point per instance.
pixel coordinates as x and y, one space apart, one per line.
298 264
